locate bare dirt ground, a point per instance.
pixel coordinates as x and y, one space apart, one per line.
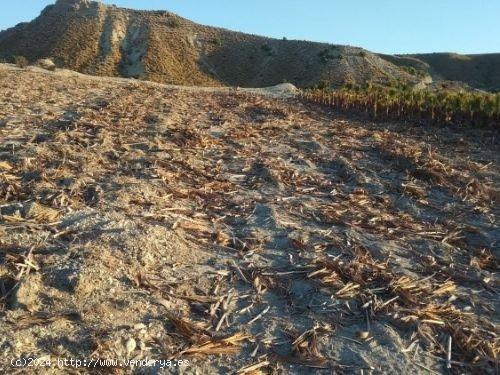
246 233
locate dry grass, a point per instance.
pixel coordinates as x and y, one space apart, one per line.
21 61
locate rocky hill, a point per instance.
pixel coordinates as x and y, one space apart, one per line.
160 46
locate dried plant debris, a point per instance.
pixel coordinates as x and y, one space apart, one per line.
188 330
257 234
224 346
415 301
40 318
305 346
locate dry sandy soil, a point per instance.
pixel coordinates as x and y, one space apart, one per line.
247 233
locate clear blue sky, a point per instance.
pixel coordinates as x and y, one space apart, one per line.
387 26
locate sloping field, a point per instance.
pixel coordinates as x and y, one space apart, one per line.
240 232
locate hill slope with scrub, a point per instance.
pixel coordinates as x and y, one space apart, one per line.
92 38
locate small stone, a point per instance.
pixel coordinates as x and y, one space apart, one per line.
363 335
131 345
142 345
139 326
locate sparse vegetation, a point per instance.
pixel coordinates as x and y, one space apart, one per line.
328 54
410 69
174 22
403 103
480 71
267 49
217 41
323 85
21 61
414 71
47 64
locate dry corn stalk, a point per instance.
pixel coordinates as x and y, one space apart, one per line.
417 299
306 345
226 346
43 214
189 330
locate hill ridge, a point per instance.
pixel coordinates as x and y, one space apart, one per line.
93 38
161 46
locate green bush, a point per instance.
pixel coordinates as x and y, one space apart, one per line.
414 71
322 85
329 54
217 41
410 69
267 49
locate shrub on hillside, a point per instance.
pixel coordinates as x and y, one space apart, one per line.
322 85
46 64
21 61
329 54
217 41
410 69
413 71
267 49
175 22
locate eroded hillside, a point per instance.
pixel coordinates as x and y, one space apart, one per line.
236 230
160 46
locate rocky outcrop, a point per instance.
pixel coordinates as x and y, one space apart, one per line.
73 4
